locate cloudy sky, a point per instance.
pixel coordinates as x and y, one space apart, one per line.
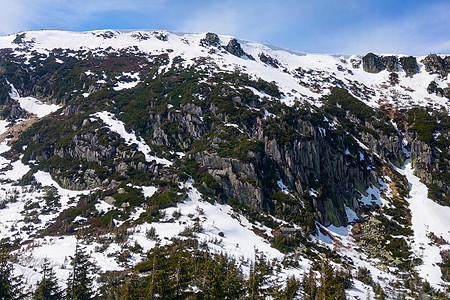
320 26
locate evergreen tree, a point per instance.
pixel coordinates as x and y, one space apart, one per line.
48 288
11 287
291 289
331 287
79 283
309 285
258 276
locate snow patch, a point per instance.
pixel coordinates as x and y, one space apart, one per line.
130 138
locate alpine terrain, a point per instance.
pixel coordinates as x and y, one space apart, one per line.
151 164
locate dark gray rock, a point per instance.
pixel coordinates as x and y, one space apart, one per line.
267 59
210 40
235 48
372 63
435 64
409 65
390 63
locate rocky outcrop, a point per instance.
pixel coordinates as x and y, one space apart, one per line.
210 40
372 63
310 163
235 48
390 63
388 146
409 65
267 59
435 64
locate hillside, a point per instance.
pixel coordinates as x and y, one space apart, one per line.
198 165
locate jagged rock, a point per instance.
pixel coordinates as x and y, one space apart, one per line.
235 48
390 63
267 59
210 40
372 63
409 65
435 64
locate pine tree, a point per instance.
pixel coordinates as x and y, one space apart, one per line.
11 287
258 276
309 285
79 283
331 288
291 289
48 288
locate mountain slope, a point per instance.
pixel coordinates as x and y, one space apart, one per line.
135 140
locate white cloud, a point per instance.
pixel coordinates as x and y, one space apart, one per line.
254 20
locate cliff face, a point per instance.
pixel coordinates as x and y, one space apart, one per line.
249 162
231 124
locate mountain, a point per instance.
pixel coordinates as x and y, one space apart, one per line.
198 165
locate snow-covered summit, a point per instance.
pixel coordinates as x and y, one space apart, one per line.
300 76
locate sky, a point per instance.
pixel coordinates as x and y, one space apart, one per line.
320 26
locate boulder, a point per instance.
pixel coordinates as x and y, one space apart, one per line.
409 65
235 48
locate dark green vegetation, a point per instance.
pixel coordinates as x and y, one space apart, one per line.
11 286
184 270
48 288
432 130
239 149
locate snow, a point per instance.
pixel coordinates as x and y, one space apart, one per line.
14 170
58 251
427 216
282 186
130 138
320 70
260 94
103 207
372 195
121 85
351 214
33 105
148 191
46 179
238 238
3 126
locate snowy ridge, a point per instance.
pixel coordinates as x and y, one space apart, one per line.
300 76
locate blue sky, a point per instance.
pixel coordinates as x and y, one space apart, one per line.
320 26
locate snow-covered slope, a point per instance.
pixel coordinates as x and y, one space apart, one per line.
300 76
